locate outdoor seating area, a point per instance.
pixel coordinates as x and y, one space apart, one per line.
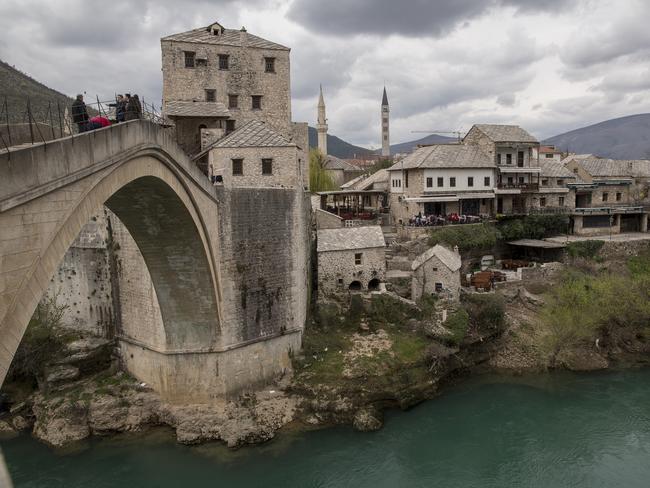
347 213
449 219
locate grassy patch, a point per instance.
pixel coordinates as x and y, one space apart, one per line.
584 249
466 237
457 323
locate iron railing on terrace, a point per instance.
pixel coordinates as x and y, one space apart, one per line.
623 209
518 186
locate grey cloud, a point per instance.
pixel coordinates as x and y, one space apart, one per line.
409 18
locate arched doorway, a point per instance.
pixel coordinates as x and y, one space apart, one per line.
373 284
355 286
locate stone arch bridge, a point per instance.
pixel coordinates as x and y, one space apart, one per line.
185 229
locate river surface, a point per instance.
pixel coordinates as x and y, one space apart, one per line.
561 430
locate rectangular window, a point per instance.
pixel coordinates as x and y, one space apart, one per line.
521 180
548 155
269 65
441 182
520 159
224 61
619 196
510 180
498 158
233 101
237 167
560 182
357 258
542 202
452 182
267 166
201 62
230 126
210 95
486 181
256 102
561 200
189 59
429 182
605 196
545 182
470 181
508 158
406 179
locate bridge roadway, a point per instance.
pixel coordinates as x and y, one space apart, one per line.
49 191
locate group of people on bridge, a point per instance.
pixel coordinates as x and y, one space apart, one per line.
127 107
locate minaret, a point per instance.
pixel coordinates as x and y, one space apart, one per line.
321 127
385 137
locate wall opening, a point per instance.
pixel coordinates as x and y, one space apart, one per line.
355 286
373 285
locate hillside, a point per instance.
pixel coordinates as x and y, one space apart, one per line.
17 87
622 138
407 147
337 147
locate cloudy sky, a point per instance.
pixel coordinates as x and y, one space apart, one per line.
548 65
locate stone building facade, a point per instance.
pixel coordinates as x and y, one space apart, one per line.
218 78
436 272
350 259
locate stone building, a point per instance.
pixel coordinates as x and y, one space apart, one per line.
555 192
321 126
217 79
351 258
611 195
442 179
436 272
516 155
340 170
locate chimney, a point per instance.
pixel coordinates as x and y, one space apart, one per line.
243 39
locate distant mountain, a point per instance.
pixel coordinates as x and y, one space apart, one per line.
407 147
17 87
338 147
622 138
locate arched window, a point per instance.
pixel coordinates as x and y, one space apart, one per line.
373 284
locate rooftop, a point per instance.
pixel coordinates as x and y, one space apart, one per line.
348 238
195 109
445 156
555 169
597 167
505 133
332 162
253 134
227 37
448 257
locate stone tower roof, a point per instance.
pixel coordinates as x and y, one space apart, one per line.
226 37
384 100
445 156
347 238
505 133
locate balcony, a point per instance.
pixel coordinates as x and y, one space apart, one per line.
524 210
609 210
518 186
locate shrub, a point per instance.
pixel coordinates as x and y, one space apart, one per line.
533 227
486 312
584 249
466 237
319 178
41 342
457 323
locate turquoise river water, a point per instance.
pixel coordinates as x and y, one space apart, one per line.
563 430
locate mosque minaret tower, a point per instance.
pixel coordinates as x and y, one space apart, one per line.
321 127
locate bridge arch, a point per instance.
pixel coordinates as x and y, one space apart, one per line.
151 194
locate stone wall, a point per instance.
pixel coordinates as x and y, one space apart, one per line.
327 220
337 269
245 77
82 282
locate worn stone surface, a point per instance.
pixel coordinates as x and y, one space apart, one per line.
367 419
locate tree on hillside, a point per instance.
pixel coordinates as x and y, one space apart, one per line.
319 178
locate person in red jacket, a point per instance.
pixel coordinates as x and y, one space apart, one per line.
98 122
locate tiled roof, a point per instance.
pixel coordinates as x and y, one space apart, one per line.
597 167
549 150
253 134
195 109
347 238
229 37
554 168
505 133
571 157
445 156
380 176
448 257
332 162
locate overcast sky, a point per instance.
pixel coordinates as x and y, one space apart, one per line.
547 65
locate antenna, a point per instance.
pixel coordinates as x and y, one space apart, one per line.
456 132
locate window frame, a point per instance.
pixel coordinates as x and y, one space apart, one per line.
210 95
605 196
266 64
429 182
487 181
452 182
187 56
441 182
224 62
267 170
231 97
358 258
470 181
254 99
237 166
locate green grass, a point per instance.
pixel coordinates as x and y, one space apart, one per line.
584 249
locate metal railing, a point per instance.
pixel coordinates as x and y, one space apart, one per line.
24 124
518 186
609 210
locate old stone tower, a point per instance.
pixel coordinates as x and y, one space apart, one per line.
321 127
385 137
